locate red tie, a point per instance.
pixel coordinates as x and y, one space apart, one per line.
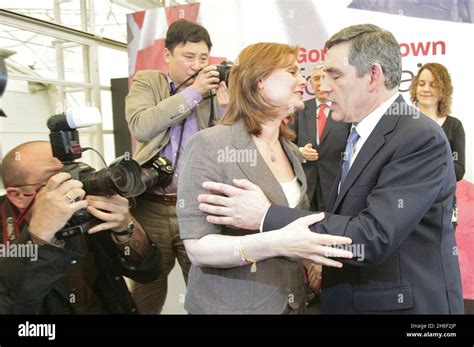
322 119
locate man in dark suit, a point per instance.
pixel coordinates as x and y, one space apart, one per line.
321 141
392 197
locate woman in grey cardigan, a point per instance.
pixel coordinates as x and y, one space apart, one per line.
236 270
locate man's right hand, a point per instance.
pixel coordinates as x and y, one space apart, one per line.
53 207
206 80
309 153
242 206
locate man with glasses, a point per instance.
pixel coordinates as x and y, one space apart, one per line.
82 274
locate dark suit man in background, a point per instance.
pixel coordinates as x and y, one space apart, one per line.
321 141
393 196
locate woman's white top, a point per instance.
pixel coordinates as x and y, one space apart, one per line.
292 191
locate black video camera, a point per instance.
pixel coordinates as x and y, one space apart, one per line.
124 176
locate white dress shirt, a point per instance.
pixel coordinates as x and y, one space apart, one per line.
367 125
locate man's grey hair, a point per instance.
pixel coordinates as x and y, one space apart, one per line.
371 44
317 67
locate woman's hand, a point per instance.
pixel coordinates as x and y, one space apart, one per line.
314 275
300 242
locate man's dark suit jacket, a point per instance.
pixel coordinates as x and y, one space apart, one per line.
396 203
322 172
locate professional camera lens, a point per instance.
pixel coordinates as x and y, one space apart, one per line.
98 183
119 178
125 177
122 177
160 170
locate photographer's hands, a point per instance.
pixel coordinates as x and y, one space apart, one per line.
113 210
55 204
62 197
222 95
206 80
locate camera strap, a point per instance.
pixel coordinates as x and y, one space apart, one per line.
178 151
212 116
173 91
8 223
11 222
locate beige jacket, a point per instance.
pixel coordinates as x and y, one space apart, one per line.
151 112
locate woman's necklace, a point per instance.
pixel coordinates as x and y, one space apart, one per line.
270 151
272 154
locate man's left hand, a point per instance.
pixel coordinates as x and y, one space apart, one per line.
113 210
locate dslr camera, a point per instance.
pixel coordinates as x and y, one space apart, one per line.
224 69
124 176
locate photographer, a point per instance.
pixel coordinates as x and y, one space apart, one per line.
163 111
82 274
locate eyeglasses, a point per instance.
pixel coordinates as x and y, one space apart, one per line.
37 186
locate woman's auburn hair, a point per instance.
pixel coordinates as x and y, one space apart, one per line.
246 102
442 82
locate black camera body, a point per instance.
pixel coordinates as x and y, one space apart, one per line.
81 221
224 69
124 176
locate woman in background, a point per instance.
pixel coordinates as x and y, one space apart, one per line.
432 91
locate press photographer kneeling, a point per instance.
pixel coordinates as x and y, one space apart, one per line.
80 274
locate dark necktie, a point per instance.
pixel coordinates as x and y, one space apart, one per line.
173 88
348 153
